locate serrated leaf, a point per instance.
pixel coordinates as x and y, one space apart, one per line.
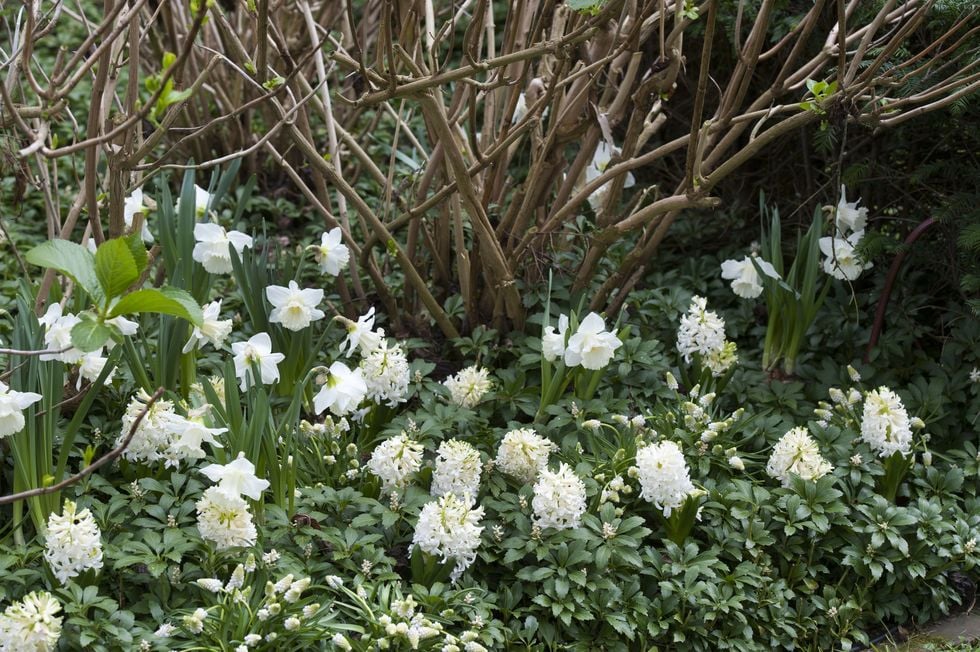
115 267
166 301
71 259
138 250
89 335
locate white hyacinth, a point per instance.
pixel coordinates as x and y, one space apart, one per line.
744 276
796 453
57 335
592 346
32 624
386 374
553 343
212 329
394 461
448 528
72 543
154 435
212 245
258 351
12 404
331 254
523 453
885 425
224 519
559 498
457 470
342 391
702 331
293 307
468 387
665 479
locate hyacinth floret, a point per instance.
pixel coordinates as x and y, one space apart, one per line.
72 542
32 624
796 453
450 529
665 479
523 453
457 470
559 498
223 518
885 425
386 374
394 461
468 387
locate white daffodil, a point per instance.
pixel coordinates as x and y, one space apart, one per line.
202 201
57 335
258 351
126 326
11 405
212 329
592 346
331 253
841 260
552 343
133 205
604 153
90 368
849 216
212 245
360 334
520 109
237 478
342 392
293 307
744 276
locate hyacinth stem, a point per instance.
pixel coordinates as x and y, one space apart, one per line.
896 467
681 520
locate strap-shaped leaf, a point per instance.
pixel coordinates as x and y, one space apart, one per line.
71 259
165 301
115 267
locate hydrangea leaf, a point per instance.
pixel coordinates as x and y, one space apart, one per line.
71 259
88 334
166 301
115 267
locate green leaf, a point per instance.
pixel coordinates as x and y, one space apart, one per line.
89 335
115 267
71 259
138 250
166 301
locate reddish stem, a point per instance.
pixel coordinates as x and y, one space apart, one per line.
886 292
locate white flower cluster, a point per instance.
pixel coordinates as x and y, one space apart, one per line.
457 471
468 387
559 498
165 435
797 454
885 425
31 625
386 373
841 260
223 516
72 542
702 332
665 479
450 529
591 346
394 461
523 453
744 276
11 405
